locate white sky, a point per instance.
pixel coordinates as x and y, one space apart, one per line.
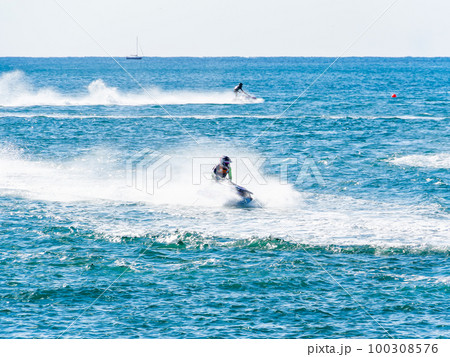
225 27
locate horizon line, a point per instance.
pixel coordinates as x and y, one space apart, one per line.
228 56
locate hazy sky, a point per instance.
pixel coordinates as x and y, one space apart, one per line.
225 27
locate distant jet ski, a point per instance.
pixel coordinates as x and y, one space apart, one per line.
248 96
238 90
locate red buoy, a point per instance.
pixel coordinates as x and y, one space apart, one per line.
394 95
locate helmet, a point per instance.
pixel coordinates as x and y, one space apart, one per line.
225 161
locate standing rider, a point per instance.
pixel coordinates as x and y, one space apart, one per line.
238 88
223 169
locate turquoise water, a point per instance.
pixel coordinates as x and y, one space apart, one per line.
349 239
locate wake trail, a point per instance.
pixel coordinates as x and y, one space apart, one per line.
16 90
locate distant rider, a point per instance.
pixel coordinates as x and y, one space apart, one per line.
238 89
223 169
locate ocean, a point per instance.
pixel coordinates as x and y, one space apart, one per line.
111 226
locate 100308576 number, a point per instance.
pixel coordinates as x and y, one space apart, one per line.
403 348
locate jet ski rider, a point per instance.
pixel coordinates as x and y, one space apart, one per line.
238 88
223 169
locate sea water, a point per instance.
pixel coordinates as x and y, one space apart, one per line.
348 235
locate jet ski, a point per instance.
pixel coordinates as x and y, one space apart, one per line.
222 170
245 194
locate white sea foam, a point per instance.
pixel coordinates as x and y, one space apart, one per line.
435 161
98 179
101 175
16 90
424 116
137 116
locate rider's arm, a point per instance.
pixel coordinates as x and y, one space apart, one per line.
229 174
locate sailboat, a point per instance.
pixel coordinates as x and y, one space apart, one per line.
136 56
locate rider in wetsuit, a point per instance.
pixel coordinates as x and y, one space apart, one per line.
238 89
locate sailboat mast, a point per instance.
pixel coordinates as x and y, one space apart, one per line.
136 56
